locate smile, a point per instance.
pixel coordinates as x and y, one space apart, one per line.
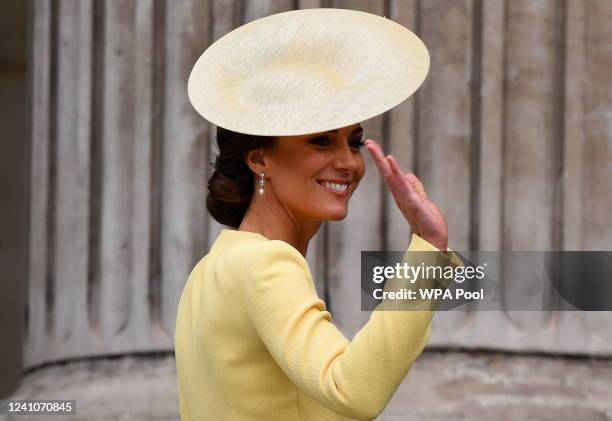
335 187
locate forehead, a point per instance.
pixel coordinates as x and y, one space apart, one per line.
350 129
344 131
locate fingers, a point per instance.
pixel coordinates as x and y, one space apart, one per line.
388 166
414 181
416 184
413 196
406 191
379 157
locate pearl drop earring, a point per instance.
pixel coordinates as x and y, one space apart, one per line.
262 182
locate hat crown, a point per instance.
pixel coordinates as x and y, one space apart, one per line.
307 71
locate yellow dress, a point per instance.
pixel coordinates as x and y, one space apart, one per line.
254 341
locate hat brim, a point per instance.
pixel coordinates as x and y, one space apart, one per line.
307 71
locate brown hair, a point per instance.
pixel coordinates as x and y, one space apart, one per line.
230 187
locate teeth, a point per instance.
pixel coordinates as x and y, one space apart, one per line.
334 186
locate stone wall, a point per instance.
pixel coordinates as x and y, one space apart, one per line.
510 134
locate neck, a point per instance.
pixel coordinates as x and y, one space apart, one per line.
268 217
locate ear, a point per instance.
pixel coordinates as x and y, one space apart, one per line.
256 160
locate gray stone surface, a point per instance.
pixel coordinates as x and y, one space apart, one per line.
123 389
119 158
497 386
440 386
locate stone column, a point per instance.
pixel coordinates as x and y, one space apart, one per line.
119 162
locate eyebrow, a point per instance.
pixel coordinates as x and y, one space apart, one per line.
355 130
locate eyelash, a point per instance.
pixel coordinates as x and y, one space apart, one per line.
358 144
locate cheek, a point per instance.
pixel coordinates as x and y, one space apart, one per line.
303 168
296 179
362 168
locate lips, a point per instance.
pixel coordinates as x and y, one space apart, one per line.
335 186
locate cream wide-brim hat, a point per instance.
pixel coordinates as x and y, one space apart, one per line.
306 71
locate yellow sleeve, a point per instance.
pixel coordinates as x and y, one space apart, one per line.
354 378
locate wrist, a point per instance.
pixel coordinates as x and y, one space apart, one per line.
441 245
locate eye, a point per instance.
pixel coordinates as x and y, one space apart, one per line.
357 143
321 141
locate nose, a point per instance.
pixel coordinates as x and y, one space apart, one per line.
346 160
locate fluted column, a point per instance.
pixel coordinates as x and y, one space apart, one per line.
118 169
510 134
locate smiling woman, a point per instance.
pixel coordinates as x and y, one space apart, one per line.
251 331
308 179
253 340
234 179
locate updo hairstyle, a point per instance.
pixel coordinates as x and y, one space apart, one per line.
230 187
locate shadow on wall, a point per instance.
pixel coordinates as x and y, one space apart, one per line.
13 184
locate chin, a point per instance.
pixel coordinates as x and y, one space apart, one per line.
336 215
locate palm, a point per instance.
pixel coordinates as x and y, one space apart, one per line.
422 214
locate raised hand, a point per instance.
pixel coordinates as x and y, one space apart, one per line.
423 215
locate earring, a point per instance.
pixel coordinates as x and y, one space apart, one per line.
262 182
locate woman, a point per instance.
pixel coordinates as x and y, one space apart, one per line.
253 340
